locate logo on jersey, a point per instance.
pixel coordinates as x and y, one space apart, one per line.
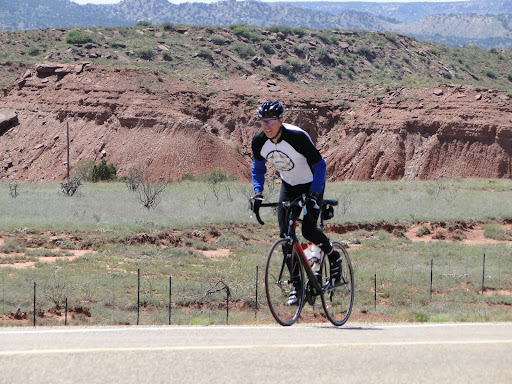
280 160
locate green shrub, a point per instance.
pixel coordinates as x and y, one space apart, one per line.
244 51
491 75
244 31
299 31
143 24
188 177
145 53
496 232
280 28
78 37
103 172
169 26
218 40
117 45
218 175
205 53
321 53
422 231
34 51
267 47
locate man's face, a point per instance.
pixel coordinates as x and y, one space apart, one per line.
271 126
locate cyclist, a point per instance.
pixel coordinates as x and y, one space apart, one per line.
303 171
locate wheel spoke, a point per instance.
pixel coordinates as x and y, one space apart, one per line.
278 289
338 300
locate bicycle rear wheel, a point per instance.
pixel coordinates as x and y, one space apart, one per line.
338 300
278 284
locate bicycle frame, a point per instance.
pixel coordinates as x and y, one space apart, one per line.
291 237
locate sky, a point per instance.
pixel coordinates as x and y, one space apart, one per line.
211 1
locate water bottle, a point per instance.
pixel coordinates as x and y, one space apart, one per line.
314 255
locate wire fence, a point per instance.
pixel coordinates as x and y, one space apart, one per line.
477 280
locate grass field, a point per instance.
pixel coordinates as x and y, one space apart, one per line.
90 249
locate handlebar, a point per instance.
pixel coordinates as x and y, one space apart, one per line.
255 208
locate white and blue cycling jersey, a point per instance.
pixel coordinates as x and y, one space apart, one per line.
294 156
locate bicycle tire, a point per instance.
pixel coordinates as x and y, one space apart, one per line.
338 301
278 283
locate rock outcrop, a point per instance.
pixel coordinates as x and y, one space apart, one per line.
135 117
8 118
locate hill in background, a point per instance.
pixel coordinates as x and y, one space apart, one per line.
485 23
181 100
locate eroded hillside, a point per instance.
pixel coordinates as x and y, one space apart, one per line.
193 110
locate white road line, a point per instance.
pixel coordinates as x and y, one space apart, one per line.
256 346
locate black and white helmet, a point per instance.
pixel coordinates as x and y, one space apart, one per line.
270 108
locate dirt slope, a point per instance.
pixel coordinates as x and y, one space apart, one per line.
135 117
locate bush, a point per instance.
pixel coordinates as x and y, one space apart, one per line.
244 31
34 51
218 40
422 231
188 177
71 186
117 45
491 75
169 26
103 172
216 176
143 24
145 53
78 37
205 54
267 47
244 51
322 54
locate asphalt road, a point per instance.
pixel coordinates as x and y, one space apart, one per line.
378 353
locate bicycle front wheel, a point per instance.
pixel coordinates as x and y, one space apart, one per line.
279 283
338 300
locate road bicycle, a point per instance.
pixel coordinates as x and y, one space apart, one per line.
287 258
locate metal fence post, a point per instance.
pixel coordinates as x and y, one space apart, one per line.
138 294
170 295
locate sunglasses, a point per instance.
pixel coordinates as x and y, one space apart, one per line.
271 121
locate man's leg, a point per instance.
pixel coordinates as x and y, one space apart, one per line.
287 194
312 233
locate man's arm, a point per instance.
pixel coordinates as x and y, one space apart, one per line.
319 175
258 174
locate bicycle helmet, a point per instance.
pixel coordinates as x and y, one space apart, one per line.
270 108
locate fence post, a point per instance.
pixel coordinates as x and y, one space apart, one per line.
228 293
34 317
483 275
138 294
431 274
170 295
375 290
256 306
66 312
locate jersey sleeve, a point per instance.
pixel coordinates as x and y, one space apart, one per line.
259 168
319 175
258 174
